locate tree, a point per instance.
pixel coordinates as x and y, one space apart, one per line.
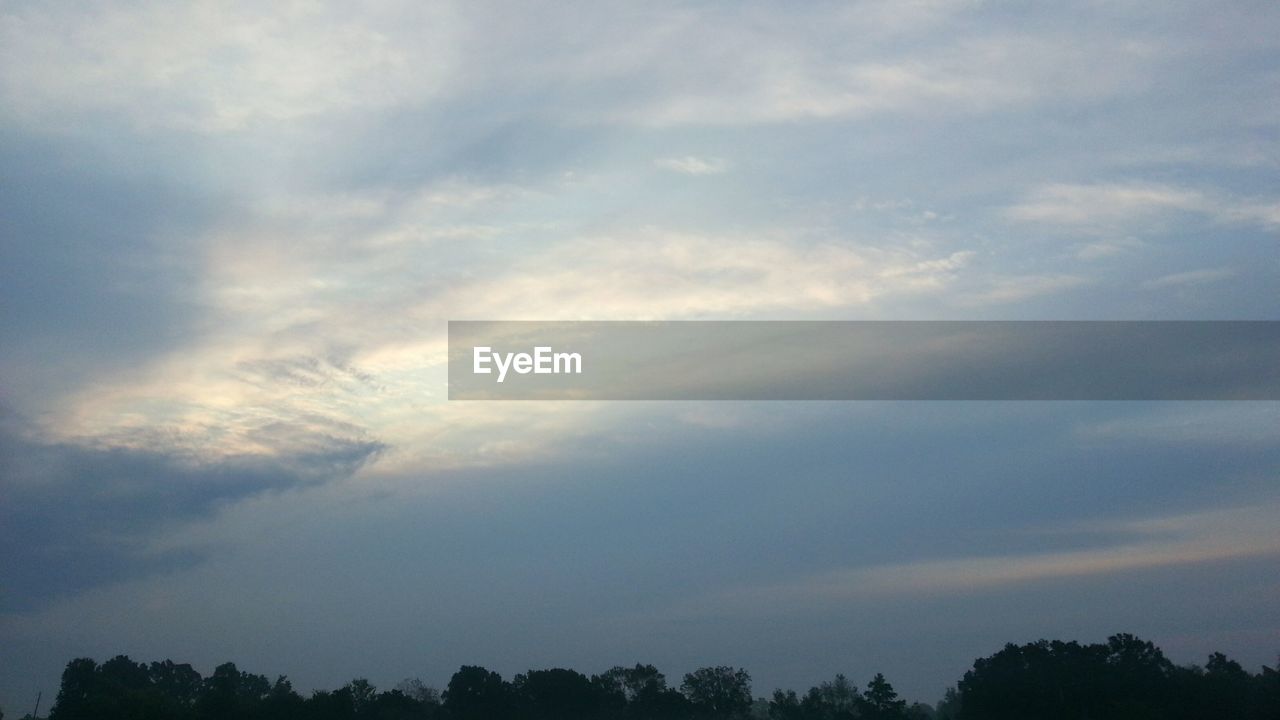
77 695
336 705
395 705
555 694
1267 703
949 707
420 691
281 701
1123 679
881 702
475 693
719 692
230 693
785 706
179 682
632 682
831 700
1223 688
921 711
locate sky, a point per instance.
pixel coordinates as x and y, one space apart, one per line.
231 238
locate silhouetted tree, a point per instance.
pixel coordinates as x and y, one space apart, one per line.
555 694
281 701
78 696
395 705
230 694
831 700
1124 678
921 711
180 682
475 693
949 707
1267 699
880 701
632 682
336 705
417 690
363 694
719 692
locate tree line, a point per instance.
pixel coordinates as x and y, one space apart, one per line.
1125 678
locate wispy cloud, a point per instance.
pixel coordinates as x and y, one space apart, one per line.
1007 289
693 165
1157 542
1191 277
215 69
1070 204
1105 205
1230 425
1107 248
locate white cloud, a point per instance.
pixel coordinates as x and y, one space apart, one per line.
657 274
1103 206
216 67
1068 204
692 165
1193 277
1107 248
1012 288
341 302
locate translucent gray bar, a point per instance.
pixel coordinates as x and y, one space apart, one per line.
838 360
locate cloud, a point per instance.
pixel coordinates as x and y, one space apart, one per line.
298 350
1013 288
1106 205
1070 204
1198 538
231 68
692 165
1107 248
231 237
88 514
214 68
1191 277
1230 425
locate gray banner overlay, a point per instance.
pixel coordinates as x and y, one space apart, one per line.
856 360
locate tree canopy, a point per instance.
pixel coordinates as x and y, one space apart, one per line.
1124 678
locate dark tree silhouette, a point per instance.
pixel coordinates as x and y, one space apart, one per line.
555 694
230 694
832 700
785 705
79 697
880 702
1125 678
719 692
475 693
632 683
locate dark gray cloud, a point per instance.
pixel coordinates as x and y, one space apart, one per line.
80 516
98 260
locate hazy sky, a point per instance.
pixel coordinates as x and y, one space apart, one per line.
230 242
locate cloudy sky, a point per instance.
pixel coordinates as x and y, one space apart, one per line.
230 242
